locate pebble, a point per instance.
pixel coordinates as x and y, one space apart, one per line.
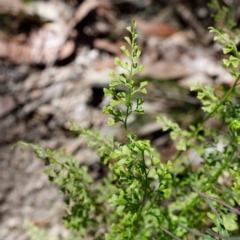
7 104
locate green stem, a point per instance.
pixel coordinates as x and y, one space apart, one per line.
219 171
209 116
144 186
130 90
128 109
212 180
223 100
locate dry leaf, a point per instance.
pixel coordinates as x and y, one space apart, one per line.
36 50
154 29
104 63
82 11
106 45
66 50
40 223
3 45
13 6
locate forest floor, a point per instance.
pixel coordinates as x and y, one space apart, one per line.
54 62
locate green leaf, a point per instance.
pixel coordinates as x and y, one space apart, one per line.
105 110
141 68
129 29
227 50
118 62
107 92
114 103
126 150
112 74
234 61
134 23
120 208
47 171
143 84
125 51
128 40
111 122
226 62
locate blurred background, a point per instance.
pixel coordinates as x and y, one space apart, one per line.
54 61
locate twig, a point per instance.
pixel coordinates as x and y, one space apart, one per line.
216 200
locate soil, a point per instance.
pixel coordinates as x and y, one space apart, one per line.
39 99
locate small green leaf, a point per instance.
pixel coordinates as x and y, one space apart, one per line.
112 74
120 208
47 171
111 122
105 110
235 125
125 51
107 92
227 50
118 62
128 40
143 84
141 68
114 103
125 65
134 23
129 29
226 62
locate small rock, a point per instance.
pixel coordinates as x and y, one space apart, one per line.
165 70
7 104
13 222
35 94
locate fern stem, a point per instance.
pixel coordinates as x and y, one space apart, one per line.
211 181
223 100
194 134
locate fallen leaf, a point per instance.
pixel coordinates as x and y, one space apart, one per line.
84 8
40 223
66 49
14 6
106 45
154 29
42 47
104 63
3 47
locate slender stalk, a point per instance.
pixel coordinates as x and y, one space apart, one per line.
209 116
234 210
169 233
212 180
129 93
144 186
223 100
